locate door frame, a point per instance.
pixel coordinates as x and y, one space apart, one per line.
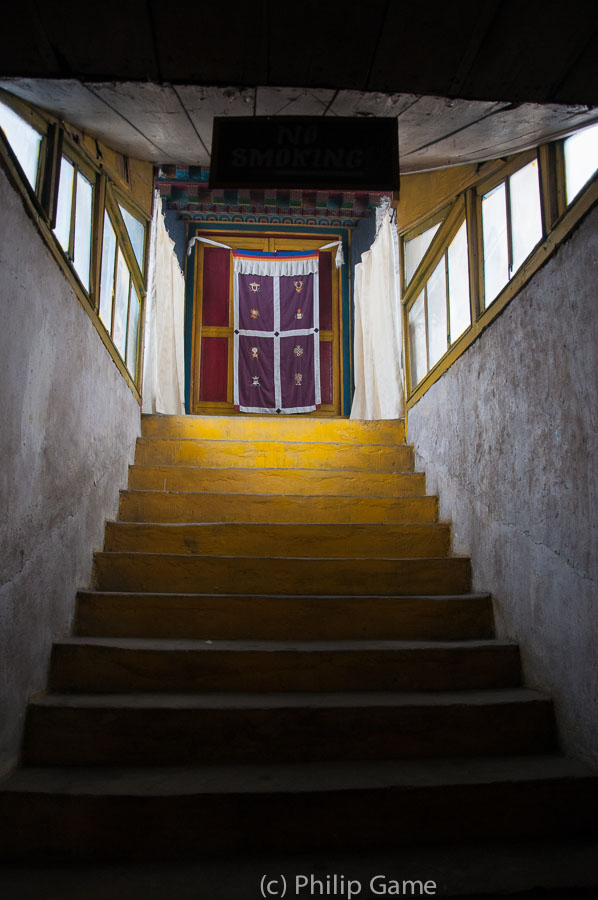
236 232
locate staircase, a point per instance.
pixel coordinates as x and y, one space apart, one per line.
281 653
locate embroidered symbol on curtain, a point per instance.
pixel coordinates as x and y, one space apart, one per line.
255 286
298 314
255 352
254 313
298 351
298 378
255 381
298 286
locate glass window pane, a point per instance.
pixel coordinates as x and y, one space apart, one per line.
133 331
496 255
83 229
107 273
458 268
417 340
415 250
136 232
526 212
62 229
437 325
24 140
121 304
581 159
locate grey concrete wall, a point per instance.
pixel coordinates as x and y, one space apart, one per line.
509 438
67 432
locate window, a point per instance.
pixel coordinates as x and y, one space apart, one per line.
89 220
511 227
25 142
441 312
120 294
416 248
136 232
581 160
74 217
461 272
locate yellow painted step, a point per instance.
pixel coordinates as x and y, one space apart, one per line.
154 506
273 428
279 575
277 481
274 454
249 539
226 617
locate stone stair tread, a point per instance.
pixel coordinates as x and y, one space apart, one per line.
266 470
290 442
286 496
563 868
293 777
383 527
296 699
400 598
306 560
175 645
340 427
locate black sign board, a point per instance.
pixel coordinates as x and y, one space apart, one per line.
310 152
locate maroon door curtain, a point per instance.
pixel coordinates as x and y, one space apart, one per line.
276 326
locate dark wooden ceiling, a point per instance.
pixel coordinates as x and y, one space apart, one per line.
516 50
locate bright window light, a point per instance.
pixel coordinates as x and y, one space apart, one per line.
417 340
24 140
107 272
526 212
458 269
496 251
437 324
62 229
415 250
136 232
82 258
581 159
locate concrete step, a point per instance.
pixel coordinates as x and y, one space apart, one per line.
273 428
318 482
190 729
555 867
171 506
116 813
169 572
128 664
279 617
299 540
274 454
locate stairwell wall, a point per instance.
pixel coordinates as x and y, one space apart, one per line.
68 431
509 438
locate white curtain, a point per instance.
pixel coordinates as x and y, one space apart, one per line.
163 363
378 334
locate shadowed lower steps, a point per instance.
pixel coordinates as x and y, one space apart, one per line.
176 812
119 664
280 652
182 729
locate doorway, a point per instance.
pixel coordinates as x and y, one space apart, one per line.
212 330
